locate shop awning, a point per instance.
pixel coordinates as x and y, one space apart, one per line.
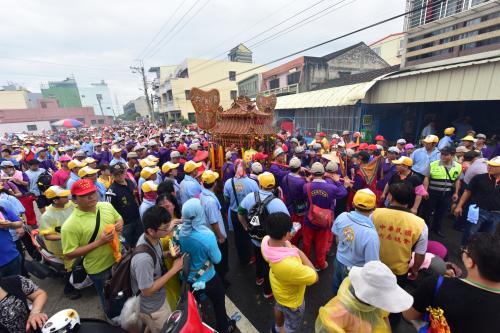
469 81
337 96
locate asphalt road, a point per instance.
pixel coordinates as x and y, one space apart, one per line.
243 292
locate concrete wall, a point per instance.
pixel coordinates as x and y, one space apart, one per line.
17 99
23 127
141 106
84 114
389 48
357 60
88 98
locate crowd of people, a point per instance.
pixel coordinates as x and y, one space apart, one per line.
160 193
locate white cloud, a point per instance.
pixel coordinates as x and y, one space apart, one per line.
99 39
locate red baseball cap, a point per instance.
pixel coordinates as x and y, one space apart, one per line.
379 138
83 187
259 156
372 147
362 146
181 149
322 134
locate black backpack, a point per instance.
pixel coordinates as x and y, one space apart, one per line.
119 288
257 217
44 181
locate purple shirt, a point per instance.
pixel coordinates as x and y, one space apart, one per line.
323 195
293 190
389 170
106 157
278 172
227 171
164 155
48 164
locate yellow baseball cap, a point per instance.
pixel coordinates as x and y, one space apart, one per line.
495 161
190 166
431 139
149 186
365 199
56 191
404 160
76 164
468 138
209 176
167 166
266 180
449 131
146 163
89 160
85 171
149 171
116 149
153 158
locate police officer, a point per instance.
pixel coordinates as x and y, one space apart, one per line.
443 185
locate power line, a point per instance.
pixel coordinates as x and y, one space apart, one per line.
325 42
303 22
247 28
182 27
266 30
158 46
291 28
161 29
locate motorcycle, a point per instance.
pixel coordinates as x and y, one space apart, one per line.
186 318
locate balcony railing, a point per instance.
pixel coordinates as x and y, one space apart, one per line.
291 89
433 10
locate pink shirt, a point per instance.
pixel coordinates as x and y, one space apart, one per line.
60 177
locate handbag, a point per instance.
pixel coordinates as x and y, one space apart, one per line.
78 272
319 217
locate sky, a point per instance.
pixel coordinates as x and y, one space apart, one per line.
96 40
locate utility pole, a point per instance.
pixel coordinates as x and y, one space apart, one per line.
140 70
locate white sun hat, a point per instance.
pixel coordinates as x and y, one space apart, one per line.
375 284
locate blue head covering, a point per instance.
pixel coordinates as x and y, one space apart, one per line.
193 218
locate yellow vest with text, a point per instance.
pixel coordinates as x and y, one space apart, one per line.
398 231
440 180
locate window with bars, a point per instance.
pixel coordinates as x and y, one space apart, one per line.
233 94
293 78
275 83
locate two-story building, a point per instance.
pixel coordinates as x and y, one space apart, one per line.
223 75
308 73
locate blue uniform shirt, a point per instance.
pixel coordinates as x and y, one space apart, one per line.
422 160
189 188
88 148
243 186
445 141
212 207
358 239
8 249
72 178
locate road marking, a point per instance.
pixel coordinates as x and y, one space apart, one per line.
244 325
